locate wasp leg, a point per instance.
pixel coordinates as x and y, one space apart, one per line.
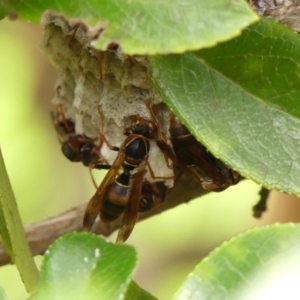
261 206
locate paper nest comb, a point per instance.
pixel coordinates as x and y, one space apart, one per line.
121 94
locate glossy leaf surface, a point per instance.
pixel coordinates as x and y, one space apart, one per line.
240 99
84 266
150 27
246 264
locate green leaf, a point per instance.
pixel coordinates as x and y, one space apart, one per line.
2 294
13 234
263 61
137 293
240 99
243 263
84 266
151 27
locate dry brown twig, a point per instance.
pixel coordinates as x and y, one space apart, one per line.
43 233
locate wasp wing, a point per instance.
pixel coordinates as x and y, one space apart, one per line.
165 148
207 164
132 207
94 205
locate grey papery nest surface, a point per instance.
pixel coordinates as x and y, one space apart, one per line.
283 11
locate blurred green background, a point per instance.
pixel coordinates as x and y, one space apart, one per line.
46 183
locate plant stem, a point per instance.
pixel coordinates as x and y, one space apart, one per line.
13 233
43 233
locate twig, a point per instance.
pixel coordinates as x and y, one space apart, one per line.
43 233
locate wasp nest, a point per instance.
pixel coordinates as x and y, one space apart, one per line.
112 82
283 11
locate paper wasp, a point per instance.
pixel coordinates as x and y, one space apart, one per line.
126 191
75 147
213 173
192 157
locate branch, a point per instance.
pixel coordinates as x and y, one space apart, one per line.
43 233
